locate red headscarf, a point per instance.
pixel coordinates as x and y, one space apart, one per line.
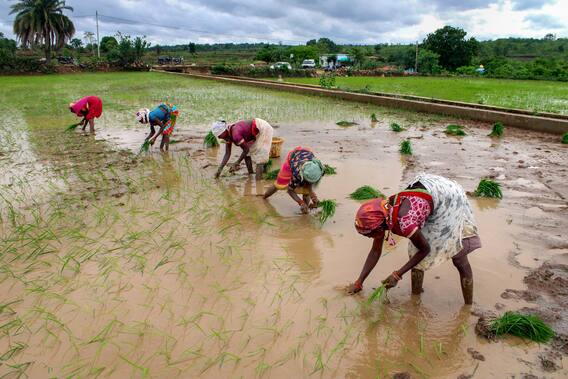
370 216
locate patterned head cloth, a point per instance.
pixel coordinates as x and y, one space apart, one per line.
143 115
218 127
312 171
370 216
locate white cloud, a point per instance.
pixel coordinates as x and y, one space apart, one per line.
296 21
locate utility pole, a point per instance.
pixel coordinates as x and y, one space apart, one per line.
98 41
416 59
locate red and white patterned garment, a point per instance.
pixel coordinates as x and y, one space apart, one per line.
419 211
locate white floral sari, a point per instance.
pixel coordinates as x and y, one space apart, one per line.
451 220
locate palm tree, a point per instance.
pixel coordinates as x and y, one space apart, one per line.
42 22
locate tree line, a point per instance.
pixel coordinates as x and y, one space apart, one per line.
448 50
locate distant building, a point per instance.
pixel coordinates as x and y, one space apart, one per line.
328 61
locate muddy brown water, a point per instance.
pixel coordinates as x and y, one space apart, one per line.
192 277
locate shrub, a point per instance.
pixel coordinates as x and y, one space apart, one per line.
565 138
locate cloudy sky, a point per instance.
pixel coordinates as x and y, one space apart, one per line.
296 21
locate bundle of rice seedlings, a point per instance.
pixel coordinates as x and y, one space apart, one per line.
72 127
488 188
565 138
174 141
329 170
497 130
327 209
520 325
454 130
145 147
374 118
346 123
268 165
366 193
377 294
406 147
210 140
396 127
271 175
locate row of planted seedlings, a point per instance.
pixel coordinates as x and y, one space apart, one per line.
120 247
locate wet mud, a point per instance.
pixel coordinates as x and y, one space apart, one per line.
155 269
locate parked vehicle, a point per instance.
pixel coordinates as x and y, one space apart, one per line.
170 60
309 63
65 60
281 65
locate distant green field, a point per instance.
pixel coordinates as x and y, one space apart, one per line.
538 96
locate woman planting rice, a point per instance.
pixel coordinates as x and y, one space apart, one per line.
254 137
434 213
88 107
164 116
299 173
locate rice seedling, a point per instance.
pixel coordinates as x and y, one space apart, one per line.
344 123
366 193
145 147
405 147
377 294
525 326
497 130
454 130
374 118
396 127
271 175
565 138
210 140
72 127
329 170
488 188
327 209
268 165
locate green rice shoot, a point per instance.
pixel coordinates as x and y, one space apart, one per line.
327 209
329 170
374 118
377 294
455 130
268 165
72 127
366 193
145 147
210 140
396 127
174 141
565 138
271 175
525 326
346 123
488 188
497 130
406 147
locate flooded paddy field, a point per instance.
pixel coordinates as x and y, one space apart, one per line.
119 265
